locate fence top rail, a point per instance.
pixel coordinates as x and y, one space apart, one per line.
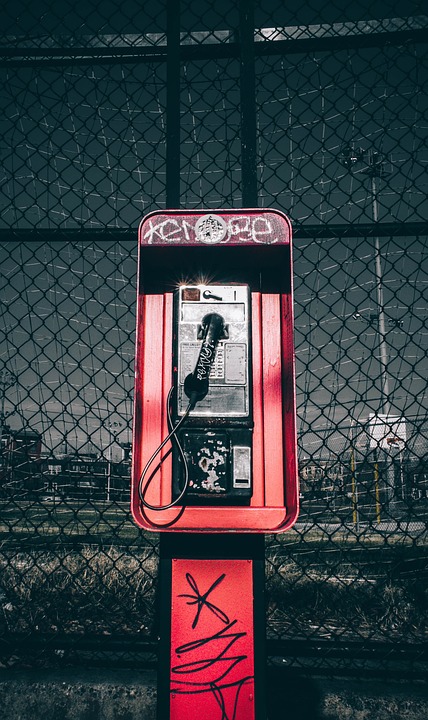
297 42
300 230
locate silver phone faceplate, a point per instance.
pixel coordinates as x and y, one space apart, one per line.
228 394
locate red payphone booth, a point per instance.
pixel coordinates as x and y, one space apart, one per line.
214 446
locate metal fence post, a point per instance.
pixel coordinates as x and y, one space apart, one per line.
212 627
173 105
248 104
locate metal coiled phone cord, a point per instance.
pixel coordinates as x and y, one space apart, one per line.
173 437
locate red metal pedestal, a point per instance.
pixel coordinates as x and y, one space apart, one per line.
212 628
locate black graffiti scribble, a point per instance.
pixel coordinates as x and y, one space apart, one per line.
202 600
217 638
220 663
219 697
218 692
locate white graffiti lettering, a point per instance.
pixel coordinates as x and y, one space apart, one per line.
204 363
245 228
161 232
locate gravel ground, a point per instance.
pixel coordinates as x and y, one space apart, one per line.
131 695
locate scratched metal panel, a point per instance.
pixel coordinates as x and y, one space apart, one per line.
212 640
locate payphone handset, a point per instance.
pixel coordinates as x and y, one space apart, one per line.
212 361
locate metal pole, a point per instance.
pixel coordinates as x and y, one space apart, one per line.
248 105
114 428
377 489
173 105
374 169
354 486
375 172
211 627
110 456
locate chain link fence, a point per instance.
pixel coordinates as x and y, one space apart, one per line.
111 111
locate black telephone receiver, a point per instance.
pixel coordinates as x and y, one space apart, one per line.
196 384
212 360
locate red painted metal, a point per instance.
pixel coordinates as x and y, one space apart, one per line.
272 401
212 642
258 498
255 240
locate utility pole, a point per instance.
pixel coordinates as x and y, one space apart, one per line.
375 170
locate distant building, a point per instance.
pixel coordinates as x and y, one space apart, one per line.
25 472
85 475
20 460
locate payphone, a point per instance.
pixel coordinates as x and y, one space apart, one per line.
214 445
